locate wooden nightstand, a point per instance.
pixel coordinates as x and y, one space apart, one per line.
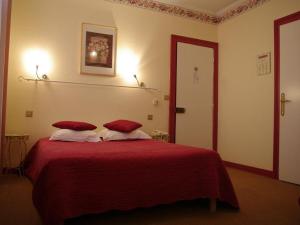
160 135
18 142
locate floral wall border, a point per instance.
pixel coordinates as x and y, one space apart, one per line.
240 9
192 14
169 9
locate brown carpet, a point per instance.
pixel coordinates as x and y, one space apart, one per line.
263 201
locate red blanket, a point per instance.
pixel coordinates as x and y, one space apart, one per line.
72 178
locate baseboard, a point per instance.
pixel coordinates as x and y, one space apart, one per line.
250 169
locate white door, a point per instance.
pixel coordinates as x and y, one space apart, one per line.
194 95
289 147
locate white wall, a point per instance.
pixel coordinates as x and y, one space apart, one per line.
55 26
246 100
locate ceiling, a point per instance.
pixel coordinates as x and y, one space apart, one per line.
210 6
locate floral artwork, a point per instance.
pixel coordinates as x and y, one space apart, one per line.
98 50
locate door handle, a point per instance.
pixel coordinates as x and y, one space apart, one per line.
283 101
180 110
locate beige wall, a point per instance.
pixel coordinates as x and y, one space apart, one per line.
55 26
245 99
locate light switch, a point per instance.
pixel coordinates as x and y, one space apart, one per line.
155 102
28 113
150 117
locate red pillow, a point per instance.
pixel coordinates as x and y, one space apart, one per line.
74 125
123 125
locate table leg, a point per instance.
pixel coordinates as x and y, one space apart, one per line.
9 154
212 205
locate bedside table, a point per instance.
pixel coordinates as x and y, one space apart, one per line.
160 135
16 141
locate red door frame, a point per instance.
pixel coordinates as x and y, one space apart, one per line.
277 23
173 77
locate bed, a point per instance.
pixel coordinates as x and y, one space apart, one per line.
76 178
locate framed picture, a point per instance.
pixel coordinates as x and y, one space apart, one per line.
98 49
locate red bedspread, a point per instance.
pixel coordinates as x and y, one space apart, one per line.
72 178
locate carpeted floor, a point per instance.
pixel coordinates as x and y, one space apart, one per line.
263 201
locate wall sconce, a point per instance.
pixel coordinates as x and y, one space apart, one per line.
140 84
44 76
37 63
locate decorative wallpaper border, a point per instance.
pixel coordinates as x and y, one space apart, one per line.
170 9
239 9
192 14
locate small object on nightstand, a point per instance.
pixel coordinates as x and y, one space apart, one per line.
20 141
160 135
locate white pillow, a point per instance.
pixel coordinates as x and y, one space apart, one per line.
111 135
73 135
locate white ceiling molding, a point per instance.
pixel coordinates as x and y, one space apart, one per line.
228 12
